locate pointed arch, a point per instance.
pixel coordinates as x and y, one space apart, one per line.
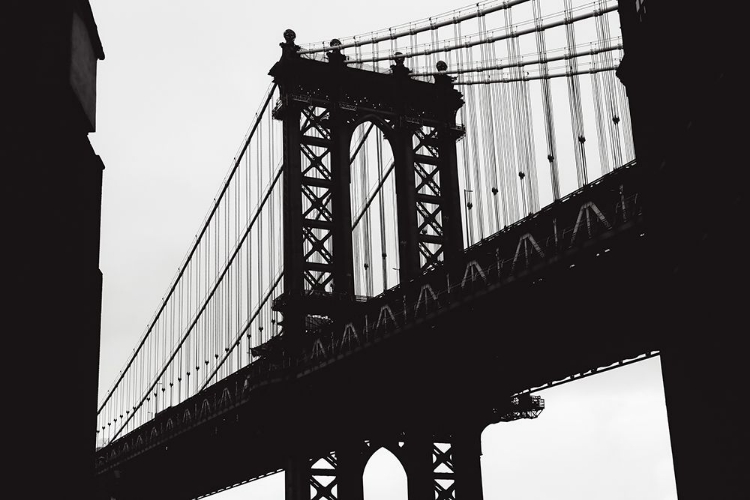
384 463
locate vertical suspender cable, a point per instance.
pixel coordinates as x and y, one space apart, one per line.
259 256
549 123
381 209
515 106
464 119
491 156
515 141
237 293
368 227
599 114
249 263
488 150
574 99
625 115
471 167
608 77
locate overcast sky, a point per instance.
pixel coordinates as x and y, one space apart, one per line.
176 93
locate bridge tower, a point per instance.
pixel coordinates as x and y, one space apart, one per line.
321 105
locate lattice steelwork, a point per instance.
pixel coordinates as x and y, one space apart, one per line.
323 478
443 473
316 187
429 199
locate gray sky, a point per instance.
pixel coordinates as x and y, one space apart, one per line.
176 94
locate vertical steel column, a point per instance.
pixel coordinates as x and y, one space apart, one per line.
408 240
418 458
292 209
467 450
317 213
292 200
343 266
350 471
451 206
297 478
448 134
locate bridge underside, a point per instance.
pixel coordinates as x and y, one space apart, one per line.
455 369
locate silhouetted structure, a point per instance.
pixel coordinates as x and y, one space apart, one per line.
681 284
418 120
52 187
423 368
682 73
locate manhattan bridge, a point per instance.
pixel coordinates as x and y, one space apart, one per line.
424 226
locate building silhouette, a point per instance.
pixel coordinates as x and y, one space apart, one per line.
52 193
681 71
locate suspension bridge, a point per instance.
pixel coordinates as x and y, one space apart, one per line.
403 205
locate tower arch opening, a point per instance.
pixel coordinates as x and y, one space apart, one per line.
373 202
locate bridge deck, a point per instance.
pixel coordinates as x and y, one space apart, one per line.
528 306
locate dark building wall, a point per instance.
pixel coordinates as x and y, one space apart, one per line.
682 72
52 197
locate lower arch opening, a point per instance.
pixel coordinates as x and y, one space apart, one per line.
384 477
